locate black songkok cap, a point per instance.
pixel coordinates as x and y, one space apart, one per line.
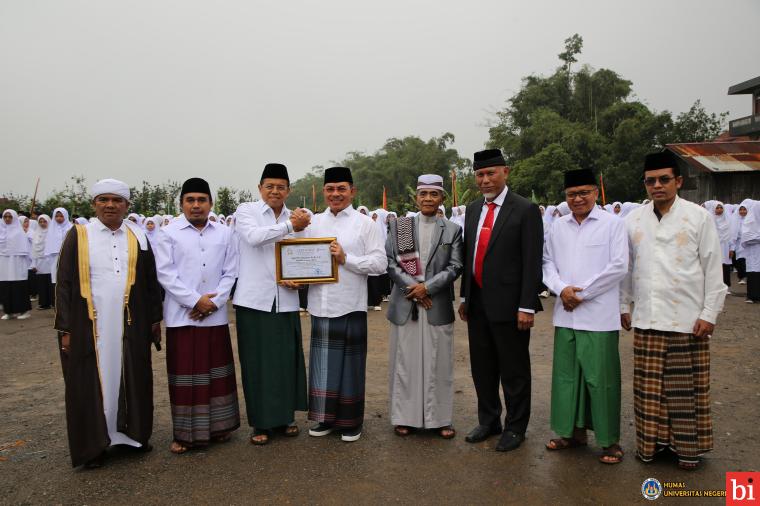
661 160
488 158
580 177
195 185
275 171
338 175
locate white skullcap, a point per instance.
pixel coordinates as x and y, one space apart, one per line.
430 182
112 186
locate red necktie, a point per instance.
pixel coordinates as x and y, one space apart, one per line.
485 235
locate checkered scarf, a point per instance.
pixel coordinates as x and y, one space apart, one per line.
407 252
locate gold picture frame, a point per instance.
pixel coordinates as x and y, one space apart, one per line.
306 261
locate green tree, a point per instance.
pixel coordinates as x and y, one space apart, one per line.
225 202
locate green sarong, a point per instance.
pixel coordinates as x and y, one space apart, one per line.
272 366
586 384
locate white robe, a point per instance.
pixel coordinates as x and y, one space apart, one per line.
108 278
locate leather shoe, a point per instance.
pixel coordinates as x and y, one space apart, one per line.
481 433
509 441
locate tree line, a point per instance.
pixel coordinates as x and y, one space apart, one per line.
584 118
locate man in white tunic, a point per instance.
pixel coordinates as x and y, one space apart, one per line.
424 259
108 312
585 259
338 357
675 283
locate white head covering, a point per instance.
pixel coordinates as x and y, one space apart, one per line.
82 221
212 214
721 222
13 240
113 186
627 207
136 217
151 234
563 209
56 232
38 237
380 222
751 223
548 216
360 208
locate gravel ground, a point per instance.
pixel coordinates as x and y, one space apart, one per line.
380 467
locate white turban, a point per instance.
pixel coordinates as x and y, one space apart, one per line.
112 186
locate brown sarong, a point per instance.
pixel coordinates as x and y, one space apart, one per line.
671 390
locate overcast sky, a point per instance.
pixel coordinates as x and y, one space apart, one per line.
158 90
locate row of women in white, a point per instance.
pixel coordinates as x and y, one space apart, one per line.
29 248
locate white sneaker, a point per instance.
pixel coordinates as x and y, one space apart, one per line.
320 430
544 294
351 435
377 308
385 298
6 316
742 281
748 301
24 316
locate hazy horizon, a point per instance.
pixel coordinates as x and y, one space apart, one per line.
167 90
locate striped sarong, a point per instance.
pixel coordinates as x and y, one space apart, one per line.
337 364
202 386
671 389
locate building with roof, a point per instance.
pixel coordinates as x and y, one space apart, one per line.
728 168
726 171
748 125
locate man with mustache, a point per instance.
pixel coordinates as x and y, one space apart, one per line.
503 245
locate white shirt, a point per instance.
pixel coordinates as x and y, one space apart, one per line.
592 255
192 263
258 230
365 255
499 201
674 275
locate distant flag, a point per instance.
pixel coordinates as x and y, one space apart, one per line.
601 185
454 186
313 198
385 199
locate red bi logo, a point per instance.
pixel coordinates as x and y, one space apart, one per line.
740 488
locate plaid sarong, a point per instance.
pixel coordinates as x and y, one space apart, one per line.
202 386
337 365
671 389
407 253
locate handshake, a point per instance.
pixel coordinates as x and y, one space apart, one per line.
300 219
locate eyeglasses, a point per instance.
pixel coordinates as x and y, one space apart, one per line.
582 194
650 181
278 187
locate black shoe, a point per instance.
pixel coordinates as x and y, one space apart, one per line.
320 429
352 434
509 441
481 433
95 463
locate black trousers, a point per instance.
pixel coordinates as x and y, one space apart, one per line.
374 291
45 290
740 265
499 354
727 274
14 296
32 283
753 286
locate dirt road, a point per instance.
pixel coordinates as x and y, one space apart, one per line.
381 467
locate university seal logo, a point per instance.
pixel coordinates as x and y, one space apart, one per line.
651 489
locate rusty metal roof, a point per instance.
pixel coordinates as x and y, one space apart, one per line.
722 157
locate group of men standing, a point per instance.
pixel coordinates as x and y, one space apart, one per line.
661 259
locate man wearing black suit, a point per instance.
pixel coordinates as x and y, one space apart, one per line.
503 243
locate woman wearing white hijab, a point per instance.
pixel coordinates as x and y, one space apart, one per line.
739 260
750 242
26 225
152 226
718 212
617 208
14 268
57 231
41 264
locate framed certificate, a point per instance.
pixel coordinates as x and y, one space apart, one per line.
306 261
